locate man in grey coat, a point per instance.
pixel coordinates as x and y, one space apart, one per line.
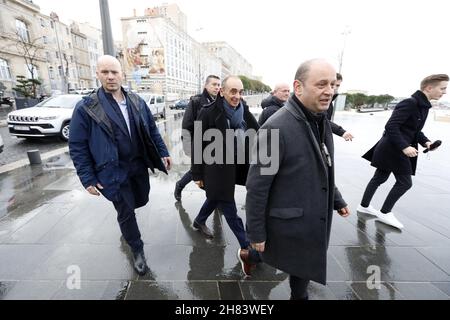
289 210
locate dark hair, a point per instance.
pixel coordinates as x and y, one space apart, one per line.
339 77
433 80
210 77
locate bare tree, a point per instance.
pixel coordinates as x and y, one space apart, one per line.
29 49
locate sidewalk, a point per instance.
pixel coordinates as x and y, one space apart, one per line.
50 230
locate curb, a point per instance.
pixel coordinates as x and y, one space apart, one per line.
25 162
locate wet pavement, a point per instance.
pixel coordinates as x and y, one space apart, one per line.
52 231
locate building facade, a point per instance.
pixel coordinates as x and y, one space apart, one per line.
63 56
59 53
20 40
233 63
95 50
162 58
81 56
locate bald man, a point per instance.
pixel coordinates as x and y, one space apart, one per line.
113 142
289 212
275 102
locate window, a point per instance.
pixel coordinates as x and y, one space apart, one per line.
5 72
52 24
42 23
70 45
22 30
47 55
45 39
57 55
51 73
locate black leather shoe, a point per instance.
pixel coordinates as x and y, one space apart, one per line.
203 229
177 192
140 263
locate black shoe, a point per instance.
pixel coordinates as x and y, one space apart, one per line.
203 229
177 192
140 263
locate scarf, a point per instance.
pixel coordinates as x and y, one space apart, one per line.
235 116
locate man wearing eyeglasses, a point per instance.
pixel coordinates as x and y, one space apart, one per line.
219 177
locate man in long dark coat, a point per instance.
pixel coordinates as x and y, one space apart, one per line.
219 176
289 210
397 150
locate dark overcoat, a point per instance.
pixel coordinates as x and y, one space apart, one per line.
291 209
403 129
220 178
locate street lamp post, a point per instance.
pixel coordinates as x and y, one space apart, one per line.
108 44
345 33
62 72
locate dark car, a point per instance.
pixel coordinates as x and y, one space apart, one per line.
181 104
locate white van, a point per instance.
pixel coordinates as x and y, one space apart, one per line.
156 104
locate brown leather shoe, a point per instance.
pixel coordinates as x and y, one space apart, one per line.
244 259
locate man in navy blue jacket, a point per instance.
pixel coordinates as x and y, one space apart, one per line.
113 141
397 151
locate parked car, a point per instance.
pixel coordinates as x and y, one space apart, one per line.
182 104
156 103
7 100
1 144
49 118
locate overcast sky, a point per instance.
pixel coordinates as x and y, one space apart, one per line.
392 45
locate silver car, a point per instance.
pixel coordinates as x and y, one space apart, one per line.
156 103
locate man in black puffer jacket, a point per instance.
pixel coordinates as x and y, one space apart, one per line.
212 88
275 102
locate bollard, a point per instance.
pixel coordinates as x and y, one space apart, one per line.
34 156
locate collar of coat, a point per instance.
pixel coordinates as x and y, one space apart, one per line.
274 101
207 97
422 99
302 112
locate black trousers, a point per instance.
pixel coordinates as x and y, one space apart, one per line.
403 184
299 288
133 194
185 180
230 213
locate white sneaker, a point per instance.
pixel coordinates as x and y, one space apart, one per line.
369 210
390 219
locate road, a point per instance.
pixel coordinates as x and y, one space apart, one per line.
16 148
